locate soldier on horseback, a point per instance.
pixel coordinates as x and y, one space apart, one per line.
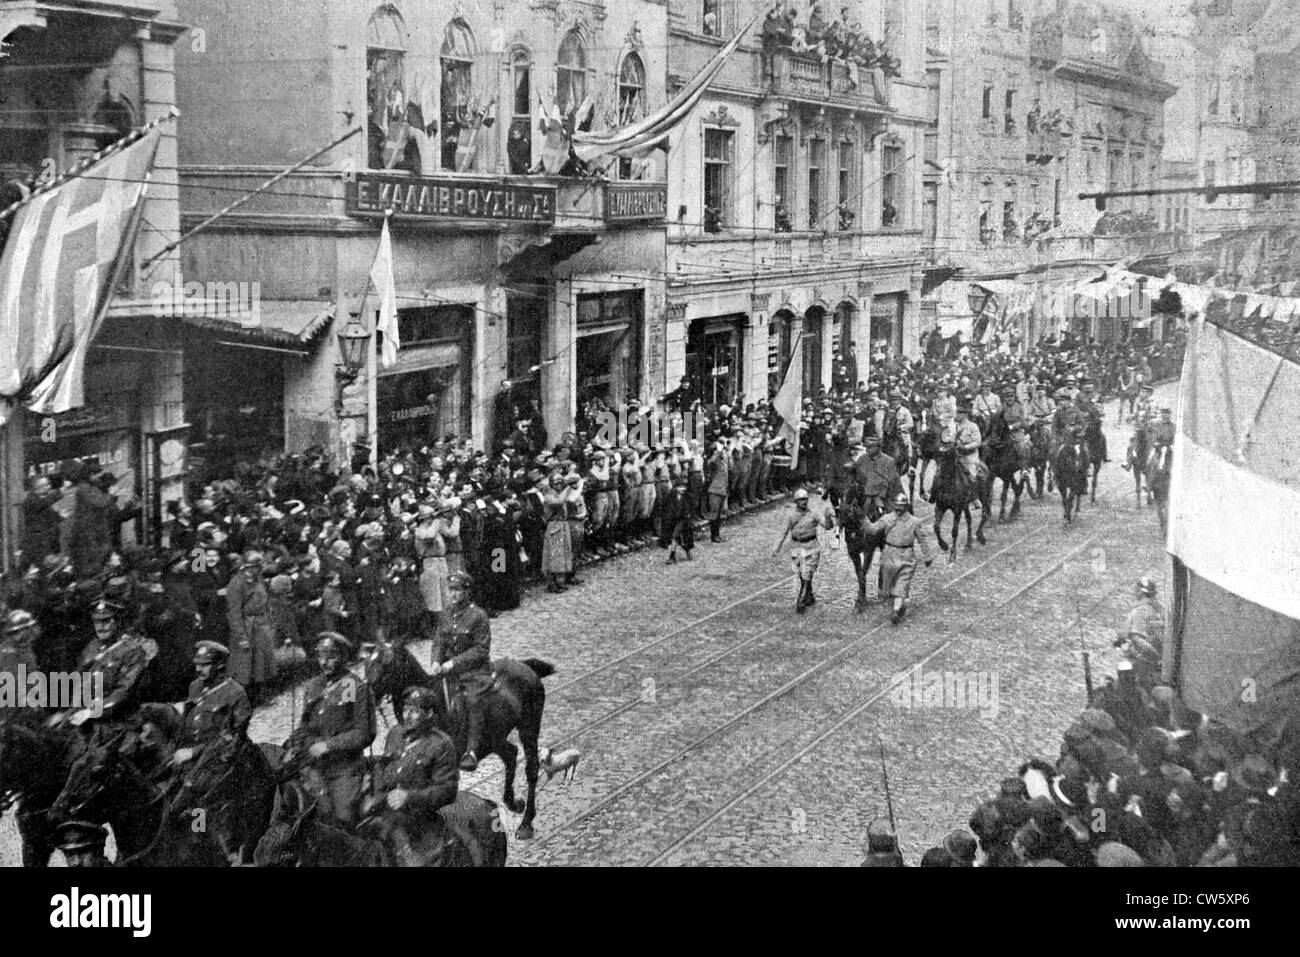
1093 415
465 655
338 724
417 776
217 705
122 658
965 435
877 474
16 644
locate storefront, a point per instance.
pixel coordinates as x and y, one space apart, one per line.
714 360
234 398
104 434
780 340
608 348
425 395
813 327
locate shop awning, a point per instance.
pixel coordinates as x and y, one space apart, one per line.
288 324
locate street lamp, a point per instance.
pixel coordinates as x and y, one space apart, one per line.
353 342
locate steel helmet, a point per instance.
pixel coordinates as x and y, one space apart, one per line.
1146 586
902 499
800 494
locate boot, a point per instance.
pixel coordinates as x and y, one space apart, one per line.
800 603
715 529
812 599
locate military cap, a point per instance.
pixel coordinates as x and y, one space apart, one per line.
871 440
460 579
332 639
800 494
209 651
80 835
105 611
18 620
421 697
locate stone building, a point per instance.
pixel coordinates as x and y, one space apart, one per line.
794 195
521 285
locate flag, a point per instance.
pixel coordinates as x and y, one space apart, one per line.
66 250
381 274
1234 520
639 135
789 401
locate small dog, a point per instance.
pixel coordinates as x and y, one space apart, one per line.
563 762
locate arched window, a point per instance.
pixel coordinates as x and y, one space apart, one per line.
631 90
457 77
519 147
385 89
570 73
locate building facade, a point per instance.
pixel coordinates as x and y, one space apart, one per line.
524 285
1035 103
53 118
794 196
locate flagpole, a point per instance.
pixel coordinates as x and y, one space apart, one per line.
372 372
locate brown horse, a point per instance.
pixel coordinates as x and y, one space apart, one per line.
1072 466
516 702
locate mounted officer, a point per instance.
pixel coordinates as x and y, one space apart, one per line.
465 655
338 724
965 436
418 774
217 705
122 657
877 474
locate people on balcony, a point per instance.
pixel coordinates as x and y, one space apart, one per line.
846 217
888 213
781 218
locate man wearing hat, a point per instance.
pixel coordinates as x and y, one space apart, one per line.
338 724
965 435
122 657
1092 414
216 703
1161 432
1142 636
252 627
900 422
17 656
1128 386
82 844
805 552
877 474
464 654
417 776
902 534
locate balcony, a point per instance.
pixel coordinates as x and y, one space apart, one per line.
806 78
734 258
1042 147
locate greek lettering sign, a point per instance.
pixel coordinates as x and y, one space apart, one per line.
439 198
633 202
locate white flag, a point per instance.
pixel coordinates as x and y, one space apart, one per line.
789 401
381 274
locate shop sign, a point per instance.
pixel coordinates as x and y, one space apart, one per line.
634 202
444 198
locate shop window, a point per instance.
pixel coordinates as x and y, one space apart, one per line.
717 179
608 352
631 101
519 143
782 153
457 78
436 324
388 141
571 73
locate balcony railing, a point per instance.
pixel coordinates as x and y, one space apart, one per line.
805 76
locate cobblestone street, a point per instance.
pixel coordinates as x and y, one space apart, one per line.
717 727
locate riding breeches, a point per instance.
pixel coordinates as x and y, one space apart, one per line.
338 785
972 463
805 559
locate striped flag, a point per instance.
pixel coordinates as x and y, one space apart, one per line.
381 274
1234 520
645 133
66 250
789 401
